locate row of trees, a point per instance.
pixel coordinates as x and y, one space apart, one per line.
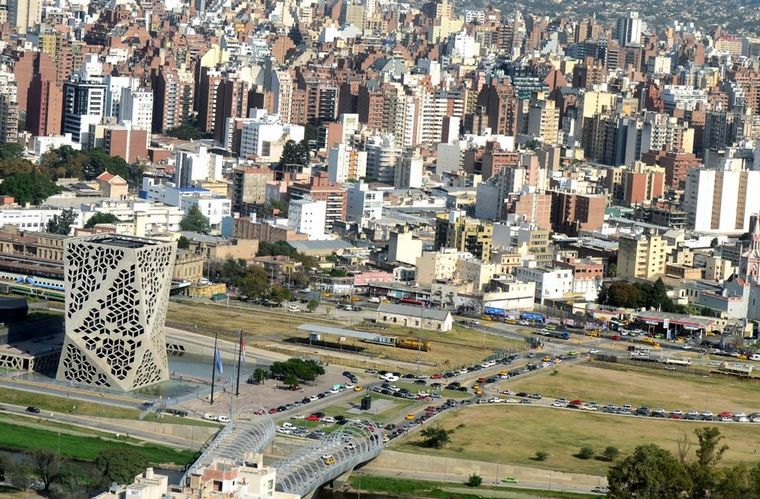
638 294
33 183
62 477
651 471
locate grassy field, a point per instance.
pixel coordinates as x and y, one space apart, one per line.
513 435
457 348
61 404
397 408
637 386
395 487
53 403
15 437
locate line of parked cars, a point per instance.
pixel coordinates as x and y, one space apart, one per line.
643 411
334 390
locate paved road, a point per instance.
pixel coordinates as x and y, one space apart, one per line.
192 439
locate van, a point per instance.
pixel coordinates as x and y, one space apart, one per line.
755 356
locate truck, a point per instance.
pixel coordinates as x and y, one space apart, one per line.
532 316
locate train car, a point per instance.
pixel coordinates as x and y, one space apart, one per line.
413 344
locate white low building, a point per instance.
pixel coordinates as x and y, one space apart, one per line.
551 283
415 317
33 219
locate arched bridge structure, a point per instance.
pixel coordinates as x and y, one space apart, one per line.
336 454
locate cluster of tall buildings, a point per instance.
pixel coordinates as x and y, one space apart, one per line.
557 151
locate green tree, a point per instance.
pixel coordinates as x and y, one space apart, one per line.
291 381
28 187
260 375
101 218
435 436
47 466
11 150
299 280
195 221
61 224
228 271
304 370
20 473
649 472
279 294
120 465
610 453
254 284
312 305
185 132
586 452
709 452
338 272
183 243
612 270
738 481
294 154
475 480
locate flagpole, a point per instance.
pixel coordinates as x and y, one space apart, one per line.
240 353
213 367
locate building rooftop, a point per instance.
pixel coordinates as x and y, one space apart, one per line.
414 311
121 241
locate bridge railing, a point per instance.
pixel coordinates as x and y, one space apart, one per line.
234 440
354 443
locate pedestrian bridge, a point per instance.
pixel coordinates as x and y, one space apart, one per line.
306 469
309 468
234 440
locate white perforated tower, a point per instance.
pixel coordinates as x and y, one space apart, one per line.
117 292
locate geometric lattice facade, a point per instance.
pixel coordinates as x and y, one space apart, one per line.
117 293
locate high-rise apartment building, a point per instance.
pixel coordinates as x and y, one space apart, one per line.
629 28
572 213
136 107
721 201
117 293
43 114
319 188
83 105
382 158
642 256
455 230
8 108
24 14
173 92
249 187
346 163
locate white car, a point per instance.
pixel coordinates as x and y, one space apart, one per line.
512 401
349 386
283 431
560 403
223 419
294 308
389 377
298 416
495 400
593 351
289 426
209 417
328 420
335 390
